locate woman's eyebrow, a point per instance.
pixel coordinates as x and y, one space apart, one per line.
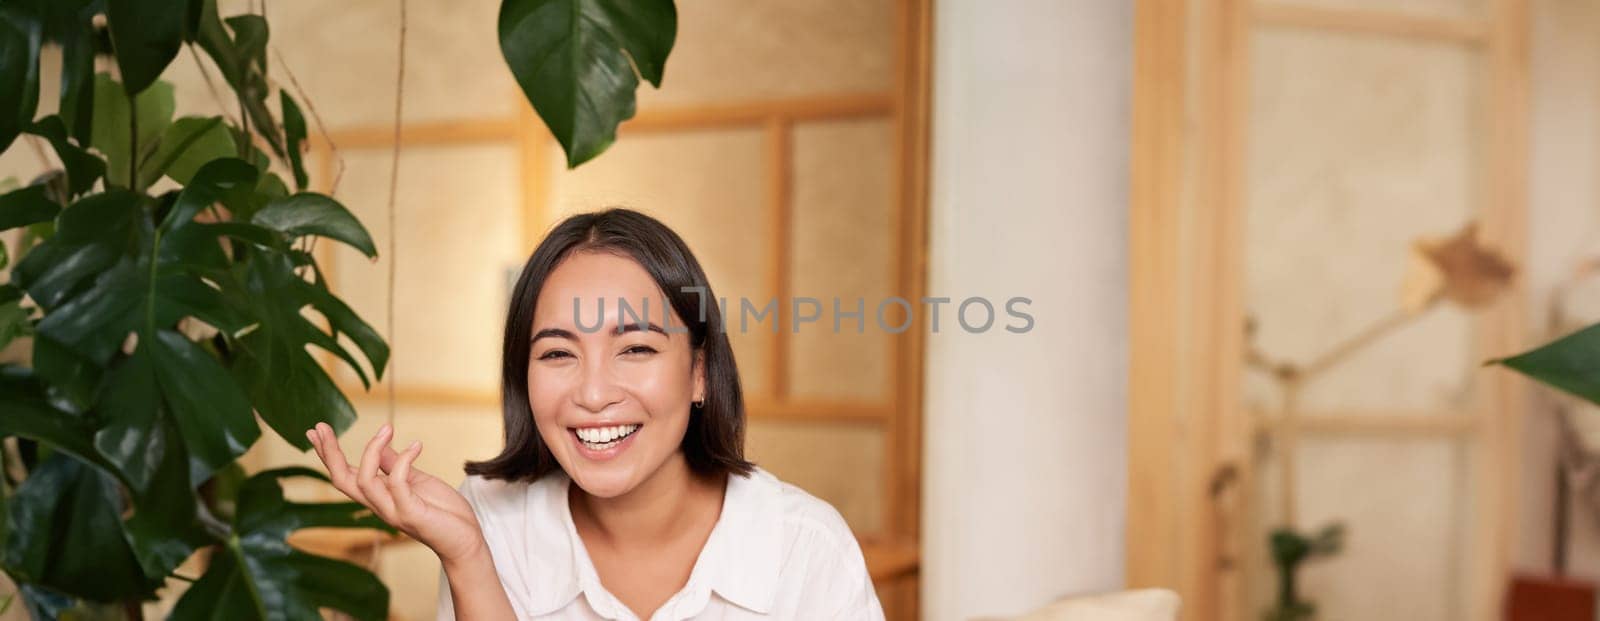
553 333
621 329
637 326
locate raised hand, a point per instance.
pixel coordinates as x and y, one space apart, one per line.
415 502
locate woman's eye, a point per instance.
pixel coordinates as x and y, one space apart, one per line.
554 354
640 350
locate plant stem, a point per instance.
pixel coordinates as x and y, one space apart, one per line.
133 142
1286 591
244 132
5 476
1360 340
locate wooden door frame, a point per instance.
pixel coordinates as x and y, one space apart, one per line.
1187 432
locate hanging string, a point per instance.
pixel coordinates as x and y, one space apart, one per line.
322 128
216 95
394 184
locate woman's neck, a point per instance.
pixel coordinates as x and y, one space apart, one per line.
665 505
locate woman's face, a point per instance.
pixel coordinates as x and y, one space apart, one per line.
610 399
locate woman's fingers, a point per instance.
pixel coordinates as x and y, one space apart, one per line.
386 463
339 471
400 482
367 477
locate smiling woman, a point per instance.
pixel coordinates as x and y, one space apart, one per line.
667 520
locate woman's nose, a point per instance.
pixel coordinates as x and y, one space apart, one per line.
598 388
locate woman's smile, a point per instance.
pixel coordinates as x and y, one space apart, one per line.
603 442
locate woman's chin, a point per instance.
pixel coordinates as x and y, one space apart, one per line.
603 481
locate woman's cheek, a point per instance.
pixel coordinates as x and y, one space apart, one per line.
659 381
544 394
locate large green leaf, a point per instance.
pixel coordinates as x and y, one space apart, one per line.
147 294
309 213
29 414
138 294
163 529
74 30
72 379
264 510
83 168
259 576
344 321
113 124
146 35
149 285
69 24
211 411
289 389
66 534
188 144
20 37
92 235
572 60
169 376
26 206
294 133
223 593
241 57
216 181
250 35
1570 363
131 435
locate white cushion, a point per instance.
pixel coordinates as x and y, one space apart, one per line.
1135 605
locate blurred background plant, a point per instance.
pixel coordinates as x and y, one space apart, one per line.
1290 550
1455 269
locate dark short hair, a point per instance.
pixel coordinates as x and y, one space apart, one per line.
714 440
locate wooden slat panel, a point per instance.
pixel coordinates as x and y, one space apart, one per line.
888 560
914 65
1410 424
1504 227
753 113
435 133
759 112
1387 23
1154 197
780 258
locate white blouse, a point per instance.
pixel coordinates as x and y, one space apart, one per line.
776 552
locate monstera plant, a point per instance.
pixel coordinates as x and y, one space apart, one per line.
166 294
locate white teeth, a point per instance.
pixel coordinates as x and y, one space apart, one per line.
602 437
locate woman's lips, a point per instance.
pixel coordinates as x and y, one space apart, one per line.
611 451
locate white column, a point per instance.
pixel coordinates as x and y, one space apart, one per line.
1025 453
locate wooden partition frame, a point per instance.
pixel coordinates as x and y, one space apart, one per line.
893 556
1189 435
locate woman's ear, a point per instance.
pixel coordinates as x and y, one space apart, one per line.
699 375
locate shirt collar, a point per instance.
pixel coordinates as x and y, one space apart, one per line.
549 504
740 561
743 555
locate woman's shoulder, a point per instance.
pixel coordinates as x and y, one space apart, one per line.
819 561
803 514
